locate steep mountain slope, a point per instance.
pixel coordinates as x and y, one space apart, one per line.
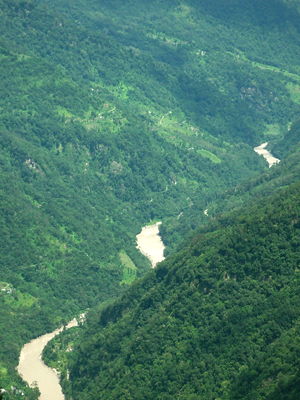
223 67
205 316
112 115
233 60
247 192
275 375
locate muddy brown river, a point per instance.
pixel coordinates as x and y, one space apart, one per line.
150 244
31 366
33 371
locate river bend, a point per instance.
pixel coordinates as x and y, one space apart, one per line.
33 370
31 366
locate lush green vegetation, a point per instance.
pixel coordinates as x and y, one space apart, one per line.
280 176
213 321
115 114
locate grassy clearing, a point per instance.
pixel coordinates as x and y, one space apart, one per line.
212 157
272 130
3 371
56 244
19 300
240 56
294 91
63 112
129 268
162 37
285 73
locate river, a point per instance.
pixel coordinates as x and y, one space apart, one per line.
31 367
262 151
150 244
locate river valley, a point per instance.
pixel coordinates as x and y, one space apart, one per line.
33 370
31 366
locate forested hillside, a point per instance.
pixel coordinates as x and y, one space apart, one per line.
247 192
214 321
114 114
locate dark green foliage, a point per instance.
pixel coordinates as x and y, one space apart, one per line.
275 375
247 192
290 141
114 114
203 318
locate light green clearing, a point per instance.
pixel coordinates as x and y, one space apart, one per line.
161 36
23 57
20 300
272 130
294 91
183 10
129 268
275 69
170 123
192 184
56 243
70 235
108 117
3 371
186 13
5 287
240 56
121 90
33 201
181 133
63 112
212 157
184 135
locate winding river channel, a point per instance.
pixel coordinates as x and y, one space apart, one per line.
33 371
31 366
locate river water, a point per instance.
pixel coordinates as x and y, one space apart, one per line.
262 151
31 367
150 244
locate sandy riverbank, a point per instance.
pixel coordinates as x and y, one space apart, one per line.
262 151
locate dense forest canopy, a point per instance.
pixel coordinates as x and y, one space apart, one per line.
117 113
214 321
